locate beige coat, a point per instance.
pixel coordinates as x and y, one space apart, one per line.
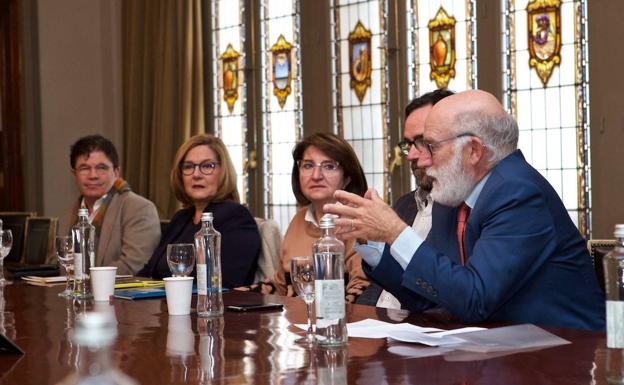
130 232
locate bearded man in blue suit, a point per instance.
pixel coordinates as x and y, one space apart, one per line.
523 260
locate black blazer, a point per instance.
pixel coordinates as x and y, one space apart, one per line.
406 208
240 242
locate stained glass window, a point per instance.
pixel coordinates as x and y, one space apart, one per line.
230 92
422 34
281 104
422 40
360 83
545 88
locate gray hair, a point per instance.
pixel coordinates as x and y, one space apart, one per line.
499 132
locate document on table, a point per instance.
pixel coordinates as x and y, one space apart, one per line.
485 344
51 281
406 332
516 338
44 281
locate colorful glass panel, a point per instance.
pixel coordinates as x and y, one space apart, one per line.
425 23
281 104
228 36
552 115
421 46
361 117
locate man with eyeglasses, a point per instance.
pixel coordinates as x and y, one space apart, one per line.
502 245
414 208
127 227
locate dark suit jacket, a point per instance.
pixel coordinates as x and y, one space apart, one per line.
406 208
527 262
240 242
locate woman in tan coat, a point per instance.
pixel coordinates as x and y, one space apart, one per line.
323 163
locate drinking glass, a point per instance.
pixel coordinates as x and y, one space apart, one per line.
6 242
302 275
181 258
65 254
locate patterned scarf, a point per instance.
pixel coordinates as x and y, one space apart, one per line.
120 186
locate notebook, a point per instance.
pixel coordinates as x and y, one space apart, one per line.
146 292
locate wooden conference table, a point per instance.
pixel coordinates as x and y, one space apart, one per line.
258 348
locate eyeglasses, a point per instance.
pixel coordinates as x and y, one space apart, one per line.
405 145
100 169
431 146
206 168
422 145
306 167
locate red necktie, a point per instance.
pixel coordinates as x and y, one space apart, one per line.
462 216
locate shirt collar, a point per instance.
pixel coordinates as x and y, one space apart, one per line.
310 217
96 205
476 191
422 198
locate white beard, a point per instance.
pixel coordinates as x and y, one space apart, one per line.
452 184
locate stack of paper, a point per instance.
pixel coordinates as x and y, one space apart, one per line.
52 281
406 332
44 281
463 344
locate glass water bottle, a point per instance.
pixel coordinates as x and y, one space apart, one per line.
208 268
84 256
614 287
328 253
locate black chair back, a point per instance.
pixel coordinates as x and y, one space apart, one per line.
39 240
16 222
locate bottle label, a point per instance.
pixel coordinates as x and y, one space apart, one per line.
202 279
330 300
615 324
78 266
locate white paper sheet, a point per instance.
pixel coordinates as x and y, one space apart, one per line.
370 328
442 338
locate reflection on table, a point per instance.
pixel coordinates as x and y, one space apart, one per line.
257 347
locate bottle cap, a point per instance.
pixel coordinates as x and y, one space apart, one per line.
95 329
327 221
619 231
206 217
83 212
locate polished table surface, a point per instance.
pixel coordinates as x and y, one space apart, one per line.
258 347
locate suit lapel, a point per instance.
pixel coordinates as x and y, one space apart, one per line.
110 218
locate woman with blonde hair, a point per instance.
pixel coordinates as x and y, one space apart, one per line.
203 179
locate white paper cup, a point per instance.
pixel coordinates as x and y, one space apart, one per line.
179 291
103 282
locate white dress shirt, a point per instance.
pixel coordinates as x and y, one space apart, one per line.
96 206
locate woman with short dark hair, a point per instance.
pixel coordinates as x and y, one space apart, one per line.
323 163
